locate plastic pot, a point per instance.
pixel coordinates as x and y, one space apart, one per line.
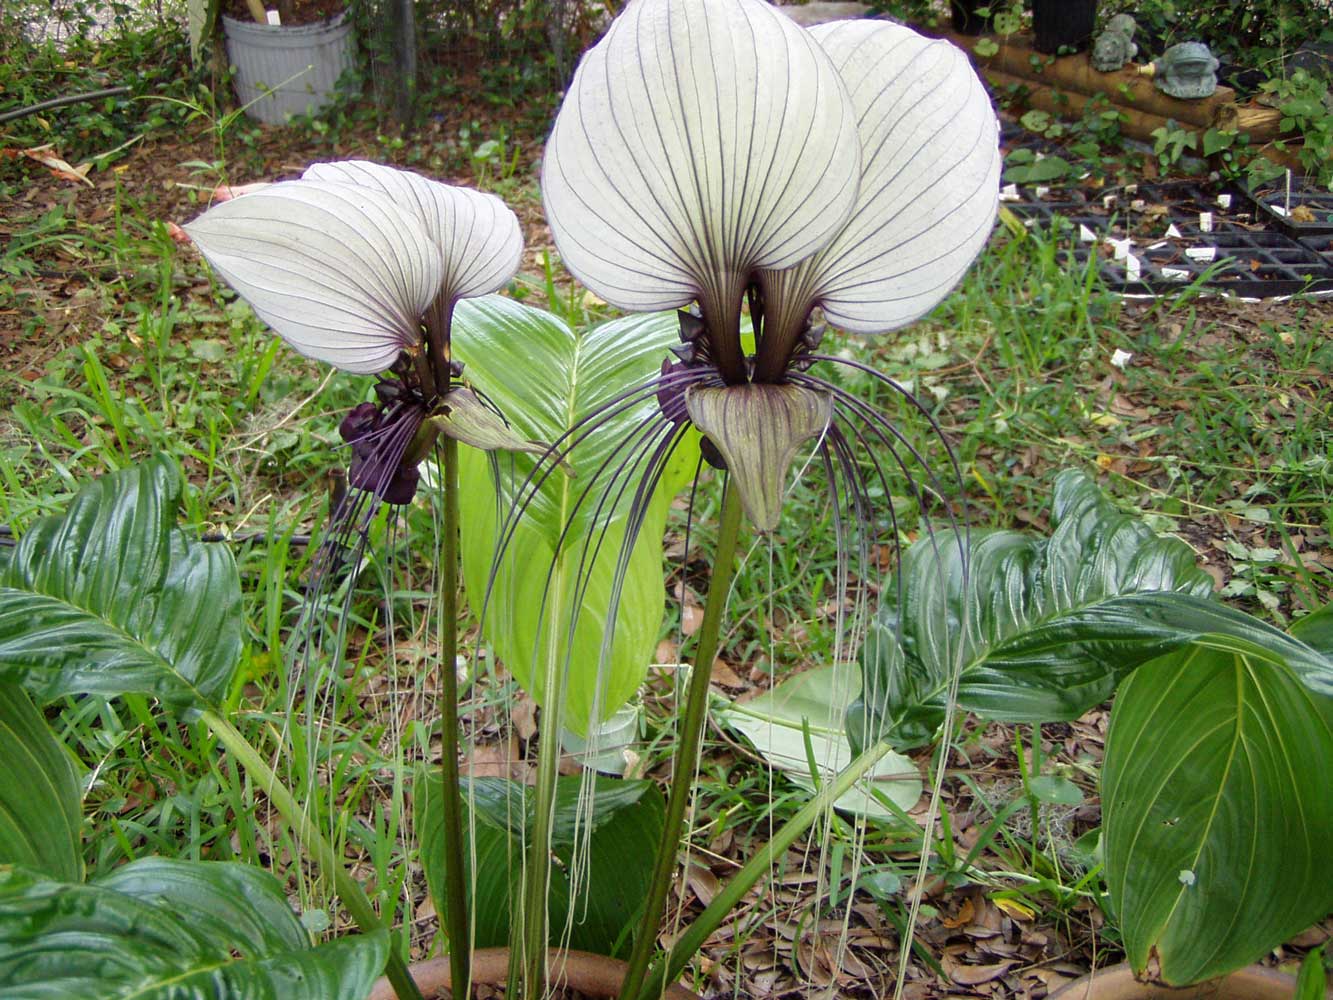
1117 982
1063 24
287 70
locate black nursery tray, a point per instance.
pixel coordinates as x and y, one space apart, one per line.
1226 249
1278 205
1249 264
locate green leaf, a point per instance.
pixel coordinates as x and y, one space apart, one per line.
811 707
1048 168
621 826
1052 623
111 598
1056 790
1216 810
1311 982
218 900
60 940
1316 629
1215 140
39 792
546 378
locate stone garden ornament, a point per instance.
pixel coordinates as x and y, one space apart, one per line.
1114 46
1187 70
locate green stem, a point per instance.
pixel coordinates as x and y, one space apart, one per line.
527 968
667 968
316 844
691 732
455 915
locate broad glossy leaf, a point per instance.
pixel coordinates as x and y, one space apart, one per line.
698 141
113 598
61 940
1316 629
813 704
338 271
220 901
478 237
622 824
930 171
1217 813
39 792
1046 627
1029 619
545 379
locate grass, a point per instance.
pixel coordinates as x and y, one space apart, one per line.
150 354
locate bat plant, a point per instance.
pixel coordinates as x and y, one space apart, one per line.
716 158
361 266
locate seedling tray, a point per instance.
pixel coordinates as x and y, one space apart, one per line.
1176 245
1250 264
1277 205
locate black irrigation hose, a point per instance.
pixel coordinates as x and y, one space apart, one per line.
57 102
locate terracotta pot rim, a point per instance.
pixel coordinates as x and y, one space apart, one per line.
595 975
1117 982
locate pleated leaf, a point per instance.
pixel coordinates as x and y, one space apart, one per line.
546 378
339 271
622 824
61 940
801 720
39 792
1217 817
112 598
478 237
1052 624
699 140
217 900
929 181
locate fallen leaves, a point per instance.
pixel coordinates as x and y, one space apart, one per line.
46 156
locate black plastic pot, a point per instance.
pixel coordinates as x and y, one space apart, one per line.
964 16
1063 24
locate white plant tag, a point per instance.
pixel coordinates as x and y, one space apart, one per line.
1205 222
1206 254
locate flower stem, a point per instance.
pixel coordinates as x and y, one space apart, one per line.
527 970
691 732
455 915
316 844
667 968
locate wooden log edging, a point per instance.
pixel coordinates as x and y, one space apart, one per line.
1065 84
1136 124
